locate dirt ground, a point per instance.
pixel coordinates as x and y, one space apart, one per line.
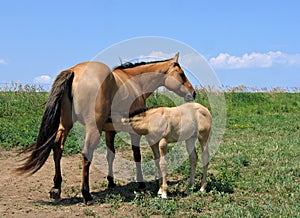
22 196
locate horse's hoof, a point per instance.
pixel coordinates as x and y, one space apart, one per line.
87 199
111 185
141 186
88 202
55 193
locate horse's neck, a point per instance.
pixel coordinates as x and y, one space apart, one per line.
145 77
136 85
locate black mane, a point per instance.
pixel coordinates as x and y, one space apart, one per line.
131 65
132 114
139 111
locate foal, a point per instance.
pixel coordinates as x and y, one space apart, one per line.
164 125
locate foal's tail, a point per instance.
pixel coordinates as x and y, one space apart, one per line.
41 149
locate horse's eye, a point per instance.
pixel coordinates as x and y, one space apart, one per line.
182 76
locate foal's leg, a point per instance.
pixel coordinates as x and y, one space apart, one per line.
190 147
92 139
110 156
163 167
205 159
135 142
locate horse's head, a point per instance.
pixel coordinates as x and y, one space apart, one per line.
177 81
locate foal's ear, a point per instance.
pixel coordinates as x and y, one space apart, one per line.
175 58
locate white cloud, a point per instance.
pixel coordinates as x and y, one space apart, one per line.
159 54
2 61
155 55
192 59
254 60
43 79
184 59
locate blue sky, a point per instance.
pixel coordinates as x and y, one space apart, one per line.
255 43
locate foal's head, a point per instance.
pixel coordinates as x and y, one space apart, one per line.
177 81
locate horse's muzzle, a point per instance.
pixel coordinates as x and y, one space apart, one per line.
190 96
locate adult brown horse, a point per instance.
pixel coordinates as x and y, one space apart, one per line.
88 93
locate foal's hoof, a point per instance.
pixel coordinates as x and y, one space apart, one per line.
55 193
141 186
161 197
186 192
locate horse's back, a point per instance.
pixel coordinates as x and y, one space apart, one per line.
194 108
203 117
196 113
87 73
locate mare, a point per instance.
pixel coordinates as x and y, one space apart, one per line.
163 125
88 93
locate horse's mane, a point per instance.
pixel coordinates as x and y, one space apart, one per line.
131 65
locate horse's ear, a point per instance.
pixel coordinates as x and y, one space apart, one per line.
175 58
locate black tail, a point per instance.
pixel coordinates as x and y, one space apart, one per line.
41 149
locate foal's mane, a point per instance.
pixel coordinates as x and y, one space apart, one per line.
139 111
132 65
133 113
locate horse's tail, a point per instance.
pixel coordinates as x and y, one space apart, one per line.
39 151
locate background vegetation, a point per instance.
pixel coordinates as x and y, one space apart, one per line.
256 171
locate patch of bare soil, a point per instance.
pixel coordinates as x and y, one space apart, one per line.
22 196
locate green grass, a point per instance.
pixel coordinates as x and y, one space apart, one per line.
20 116
255 172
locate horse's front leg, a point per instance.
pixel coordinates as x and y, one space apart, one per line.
110 156
135 144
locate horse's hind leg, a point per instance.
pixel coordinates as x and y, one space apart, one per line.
110 156
92 139
66 124
156 156
57 153
190 147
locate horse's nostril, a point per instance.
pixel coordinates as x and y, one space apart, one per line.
194 94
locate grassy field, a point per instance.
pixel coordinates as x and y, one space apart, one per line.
255 172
